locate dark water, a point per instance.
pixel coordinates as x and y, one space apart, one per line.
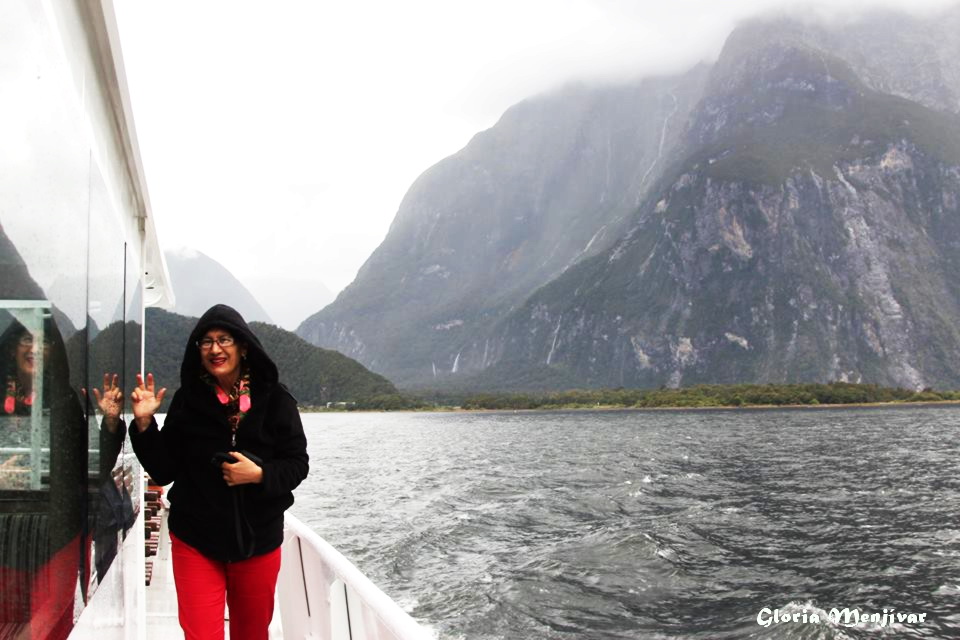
634 524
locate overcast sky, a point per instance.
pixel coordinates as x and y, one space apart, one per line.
279 137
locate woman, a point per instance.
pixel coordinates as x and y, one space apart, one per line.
42 539
19 366
233 445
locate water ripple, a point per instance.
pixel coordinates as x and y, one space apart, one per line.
634 524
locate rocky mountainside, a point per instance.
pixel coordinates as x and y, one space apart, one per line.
555 180
788 214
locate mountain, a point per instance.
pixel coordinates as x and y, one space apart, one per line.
199 282
314 376
789 213
16 283
555 180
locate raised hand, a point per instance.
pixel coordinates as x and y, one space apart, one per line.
146 400
110 400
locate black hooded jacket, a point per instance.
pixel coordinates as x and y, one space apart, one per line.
205 512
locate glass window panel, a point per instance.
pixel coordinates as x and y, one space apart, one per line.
44 207
110 506
69 313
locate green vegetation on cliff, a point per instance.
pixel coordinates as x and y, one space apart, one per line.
705 396
315 376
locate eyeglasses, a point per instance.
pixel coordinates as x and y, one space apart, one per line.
206 344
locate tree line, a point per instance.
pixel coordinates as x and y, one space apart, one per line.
315 376
706 396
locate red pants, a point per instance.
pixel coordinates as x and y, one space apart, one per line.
38 604
202 584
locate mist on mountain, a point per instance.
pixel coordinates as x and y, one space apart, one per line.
788 213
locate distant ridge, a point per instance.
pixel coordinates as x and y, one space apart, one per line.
200 281
314 376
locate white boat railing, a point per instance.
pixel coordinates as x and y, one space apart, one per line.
323 596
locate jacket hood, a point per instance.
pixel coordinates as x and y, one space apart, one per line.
262 368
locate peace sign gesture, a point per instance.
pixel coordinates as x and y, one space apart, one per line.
145 401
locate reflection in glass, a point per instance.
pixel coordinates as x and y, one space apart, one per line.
21 373
113 507
42 445
110 506
70 202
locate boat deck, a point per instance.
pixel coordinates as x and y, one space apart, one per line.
320 594
161 595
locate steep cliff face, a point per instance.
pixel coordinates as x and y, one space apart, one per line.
813 236
555 180
799 222
843 277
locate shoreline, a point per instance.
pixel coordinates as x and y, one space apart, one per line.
753 407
